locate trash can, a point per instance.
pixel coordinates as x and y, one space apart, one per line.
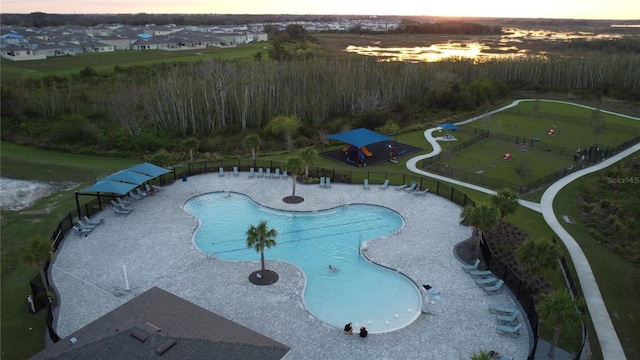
184 177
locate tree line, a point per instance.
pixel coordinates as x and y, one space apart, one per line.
143 105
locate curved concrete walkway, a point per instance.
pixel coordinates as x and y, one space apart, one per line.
607 336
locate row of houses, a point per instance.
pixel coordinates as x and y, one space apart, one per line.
20 43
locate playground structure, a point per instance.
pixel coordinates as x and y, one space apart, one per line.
356 156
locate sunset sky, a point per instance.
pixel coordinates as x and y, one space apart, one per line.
573 9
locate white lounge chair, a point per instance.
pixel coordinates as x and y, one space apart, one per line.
421 192
85 225
81 231
277 174
252 173
486 281
513 331
260 173
157 188
468 268
235 171
385 185
366 184
322 182
481 273
92 222
221 171
497 288
412 187
285 175
328 183
141 193
511 319
400 187
494 309
268 175
134 196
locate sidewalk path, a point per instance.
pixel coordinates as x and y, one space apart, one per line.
607 336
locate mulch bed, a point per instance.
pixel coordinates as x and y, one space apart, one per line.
269 277
293 200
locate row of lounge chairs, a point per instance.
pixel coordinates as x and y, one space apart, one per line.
412 188
121 205
85 225
484 278
262 173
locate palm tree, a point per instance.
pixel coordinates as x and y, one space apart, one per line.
309 157
506 201
481 218
539 255
482 355
40 251
294 166
252 142
258 237
560 310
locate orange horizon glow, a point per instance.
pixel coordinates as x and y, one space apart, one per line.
556 9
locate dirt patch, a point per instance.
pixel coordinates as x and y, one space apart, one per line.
20 194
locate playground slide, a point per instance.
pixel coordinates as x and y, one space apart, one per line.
365 151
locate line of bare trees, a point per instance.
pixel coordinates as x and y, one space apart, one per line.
214 96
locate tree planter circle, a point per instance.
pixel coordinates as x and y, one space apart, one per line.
270 277
293 200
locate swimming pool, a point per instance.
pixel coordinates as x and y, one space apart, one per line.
358 291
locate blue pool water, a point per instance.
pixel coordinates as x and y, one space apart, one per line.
359 291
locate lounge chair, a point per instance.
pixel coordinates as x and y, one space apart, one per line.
149 189
385 185
252 173
497 288
268 174
235 171
400 187
157 188
468 268
260 173
511 319
366 184
421 192
328 184
120 206
501 309
85 225
412 187
221 171
481 273
119 211
92 222
277 174
134 196
486 281
322 182
141 193
123 201
513 331
81 231
285 175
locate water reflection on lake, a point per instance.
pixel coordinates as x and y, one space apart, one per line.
479 48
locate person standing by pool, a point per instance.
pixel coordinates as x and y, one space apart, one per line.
363 332
348 329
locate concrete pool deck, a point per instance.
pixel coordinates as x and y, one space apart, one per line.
155 244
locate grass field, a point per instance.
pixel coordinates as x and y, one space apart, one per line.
105 62
22 333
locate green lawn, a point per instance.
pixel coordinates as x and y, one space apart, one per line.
105 62
22 333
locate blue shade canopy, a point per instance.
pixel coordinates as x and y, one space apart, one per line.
108 186
448 126
149 169
128 177
359 137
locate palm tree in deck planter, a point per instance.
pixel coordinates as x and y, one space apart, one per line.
481 218
559 310
539 255
295 166
40 251
506 201
259 237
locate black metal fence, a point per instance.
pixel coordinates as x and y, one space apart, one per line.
439 188
589 156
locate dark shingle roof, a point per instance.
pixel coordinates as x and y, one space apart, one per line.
198 333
